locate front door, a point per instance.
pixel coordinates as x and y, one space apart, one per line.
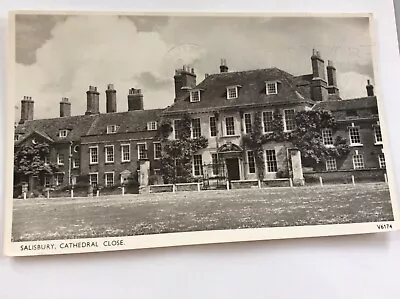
232 166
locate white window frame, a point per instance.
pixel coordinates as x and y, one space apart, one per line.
145 150
195 96
275 160
91 156
152 125
106 147
194 165
90 178
63 133
105 178
226 126
263 120
272 83
330 164
216 126
125 145
74 164
377 129
191 127
228 95
47 181
244 123
248 162
155 151
112 129
175 123
59 161
359 136
360 162
284 120
382 160
327 135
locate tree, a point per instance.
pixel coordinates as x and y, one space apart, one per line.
29 161
176 159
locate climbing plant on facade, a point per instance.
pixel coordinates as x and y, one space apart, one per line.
177 154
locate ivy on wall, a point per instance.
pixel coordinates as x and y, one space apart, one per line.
307 137
177 154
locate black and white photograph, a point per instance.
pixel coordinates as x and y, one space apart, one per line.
153 130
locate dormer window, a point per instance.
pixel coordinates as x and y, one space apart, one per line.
63 133
152 126
111 129
271 88
232 92
195 96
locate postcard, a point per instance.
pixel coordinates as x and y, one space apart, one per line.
140 130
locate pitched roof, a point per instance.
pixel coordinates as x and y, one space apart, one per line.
251 90
77 126
349 104
128 122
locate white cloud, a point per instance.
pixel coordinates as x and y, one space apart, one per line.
352 85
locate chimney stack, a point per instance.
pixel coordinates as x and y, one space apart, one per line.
92 101
111 99
319 91
370 89
65 107
184 79
223 67
135 99
332 81
26 109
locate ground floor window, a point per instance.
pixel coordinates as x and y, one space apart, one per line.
59 179
270 159
331 164
47 180
93 179
197 165
382 162
251 162
358 161
109 179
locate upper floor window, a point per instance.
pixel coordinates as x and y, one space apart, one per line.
354 134
247 123
288 120
177 124
213 126
93 155
109 153
142 151
267 117
230 125
378 134
327 137
271 87
112 129
195 95
232 92
196 128
152 126
125 152
63 133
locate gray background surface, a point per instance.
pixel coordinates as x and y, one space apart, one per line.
335 267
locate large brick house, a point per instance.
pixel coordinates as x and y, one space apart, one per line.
106 147
223 105
109 147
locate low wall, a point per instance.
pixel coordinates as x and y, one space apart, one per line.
275 183
188 187
345 176
244 184
161 188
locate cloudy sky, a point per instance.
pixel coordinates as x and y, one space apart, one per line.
60 56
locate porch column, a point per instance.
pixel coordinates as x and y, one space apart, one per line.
297 168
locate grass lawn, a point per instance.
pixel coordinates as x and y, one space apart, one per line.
47 219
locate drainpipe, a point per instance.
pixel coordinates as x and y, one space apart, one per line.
69 163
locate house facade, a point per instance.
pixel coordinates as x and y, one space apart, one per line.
110 147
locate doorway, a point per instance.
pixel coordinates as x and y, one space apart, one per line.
232 167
